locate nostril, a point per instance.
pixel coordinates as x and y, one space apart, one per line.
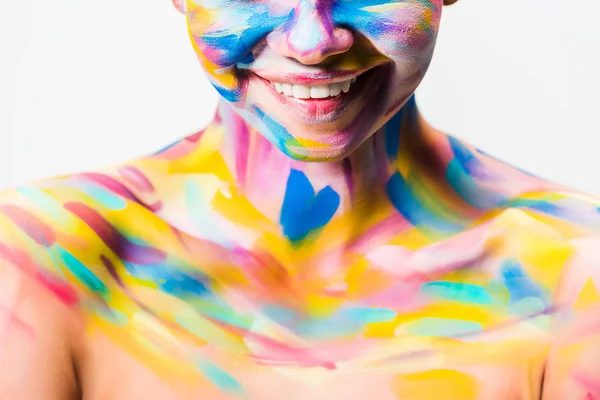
343 38
336 41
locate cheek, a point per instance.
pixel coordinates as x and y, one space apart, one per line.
227 32
223 34
401 30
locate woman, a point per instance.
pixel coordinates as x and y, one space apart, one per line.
318 240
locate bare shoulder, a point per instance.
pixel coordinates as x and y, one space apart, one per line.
38 340
64 243
556 231
569 211
40 328
573 365
52 235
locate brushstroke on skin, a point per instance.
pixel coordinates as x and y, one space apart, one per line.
357 35
8 319
423 276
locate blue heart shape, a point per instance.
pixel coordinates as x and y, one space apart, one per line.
304 211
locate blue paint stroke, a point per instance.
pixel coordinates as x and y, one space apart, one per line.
519 285
402 197
304 211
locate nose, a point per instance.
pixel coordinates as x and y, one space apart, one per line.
310 36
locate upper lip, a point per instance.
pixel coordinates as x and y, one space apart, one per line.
312 79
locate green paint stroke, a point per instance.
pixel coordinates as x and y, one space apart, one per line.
221 313
83 273
461 292
370 315
219 377
442 327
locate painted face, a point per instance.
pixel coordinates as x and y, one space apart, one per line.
315 77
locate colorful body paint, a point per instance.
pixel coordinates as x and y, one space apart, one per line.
421 288
247 46
405 264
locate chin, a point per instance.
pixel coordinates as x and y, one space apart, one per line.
339 147
308 154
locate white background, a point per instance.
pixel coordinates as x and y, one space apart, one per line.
89 83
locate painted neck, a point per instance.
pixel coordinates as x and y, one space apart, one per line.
264 173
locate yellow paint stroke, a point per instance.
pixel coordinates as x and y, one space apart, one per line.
588 296
439 384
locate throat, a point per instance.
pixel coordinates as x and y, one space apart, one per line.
242 191
277 184
310 228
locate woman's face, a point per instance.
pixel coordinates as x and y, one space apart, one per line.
315 77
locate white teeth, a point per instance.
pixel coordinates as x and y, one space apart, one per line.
335 89
314 92
301 91
319 92
287 89
346 86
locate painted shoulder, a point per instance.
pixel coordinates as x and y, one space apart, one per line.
79 232
71 232
489 183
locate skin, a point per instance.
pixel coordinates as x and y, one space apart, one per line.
276 254
238 44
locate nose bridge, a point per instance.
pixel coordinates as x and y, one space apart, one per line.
311 27
310 35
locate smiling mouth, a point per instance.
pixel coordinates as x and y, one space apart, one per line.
313 100
313 92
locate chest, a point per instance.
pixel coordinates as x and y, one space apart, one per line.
390 310
406 373
388 321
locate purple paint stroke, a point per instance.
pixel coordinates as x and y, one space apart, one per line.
115 240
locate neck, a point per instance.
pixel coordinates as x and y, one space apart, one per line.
264 174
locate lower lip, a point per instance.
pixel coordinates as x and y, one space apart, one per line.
318 111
